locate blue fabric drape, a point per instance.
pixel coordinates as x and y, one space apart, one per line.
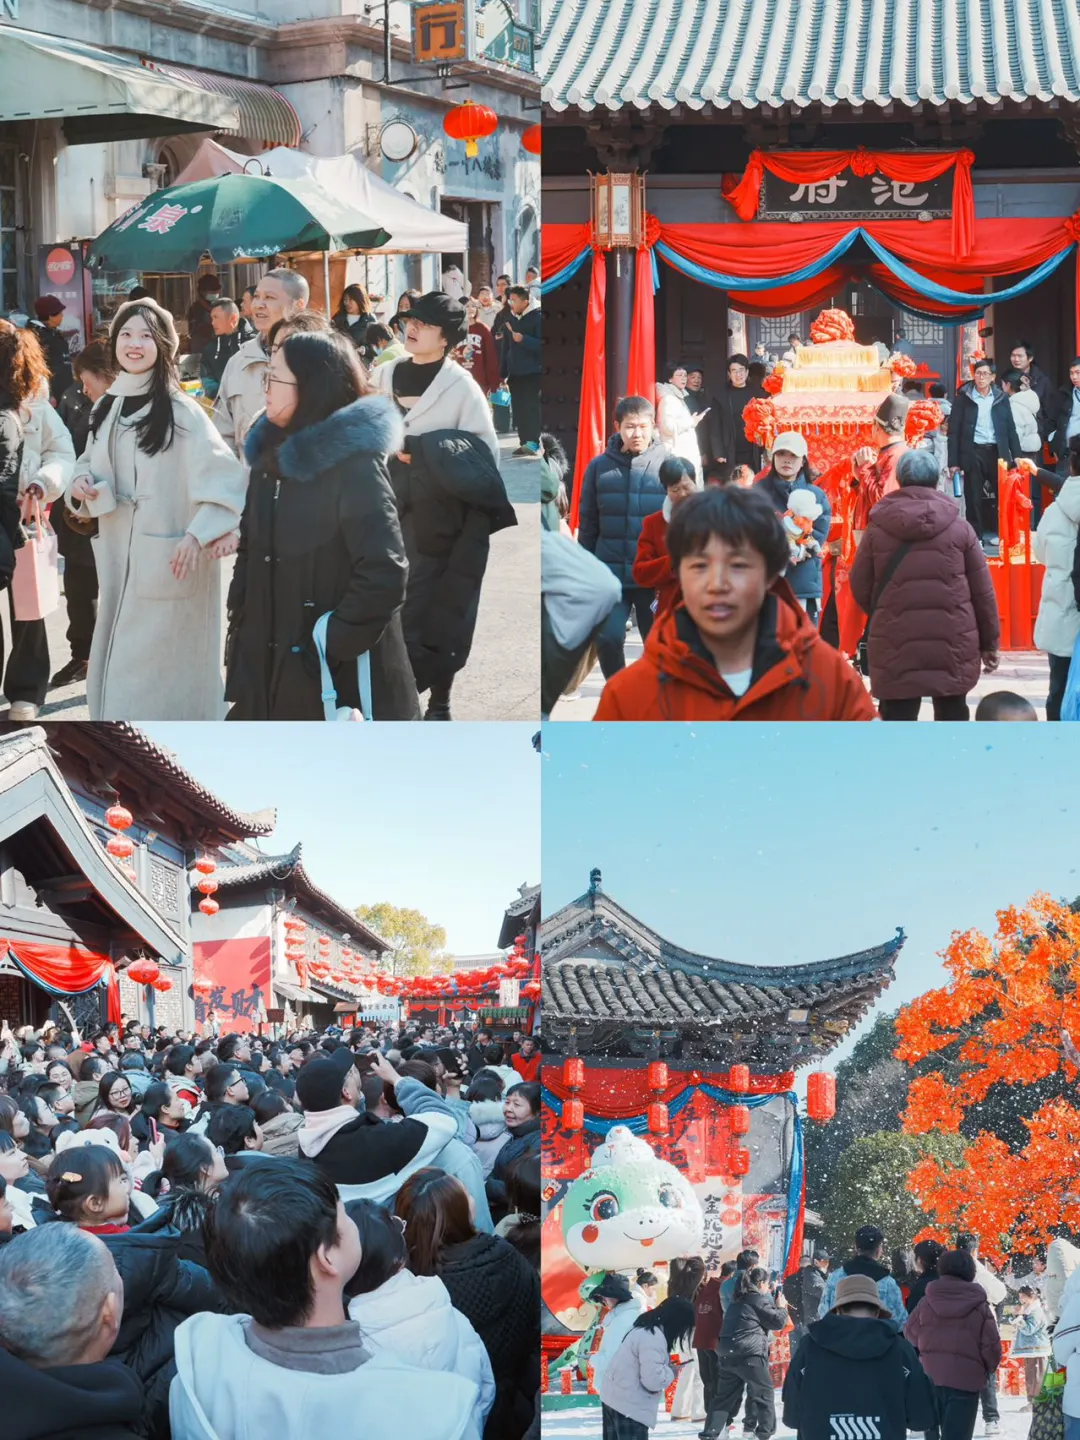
943 296
566 273
719 281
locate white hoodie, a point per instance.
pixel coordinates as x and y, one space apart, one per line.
491 1131
1025 408
224 1391
412 1318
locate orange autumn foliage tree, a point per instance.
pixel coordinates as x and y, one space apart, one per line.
998 1022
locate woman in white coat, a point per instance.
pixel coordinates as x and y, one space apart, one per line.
168 493
435 393
677 426
1058 622
411 1316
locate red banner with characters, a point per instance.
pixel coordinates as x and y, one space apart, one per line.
239 972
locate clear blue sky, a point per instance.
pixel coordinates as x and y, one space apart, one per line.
768 844
444 819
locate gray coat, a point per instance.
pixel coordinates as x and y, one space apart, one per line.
635 1380
617 492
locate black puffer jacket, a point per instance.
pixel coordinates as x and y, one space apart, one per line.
499 1292
11 451
617 492
319 534
451 499
69 1402
747 1322
524 1140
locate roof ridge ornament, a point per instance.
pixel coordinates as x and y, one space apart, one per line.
594 883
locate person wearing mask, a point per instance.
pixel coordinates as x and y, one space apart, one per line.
450 494
49 314
853 1373
869 1248
319 476
619 489
789 471
652 563
729 444
94 373
353 317
981 432
749 1321
954 1330
921 576
200 329
156 651
242 392
385 346
677 426
223 344
489 1282
1057 547
521 347
739 646
281 1248
61 1310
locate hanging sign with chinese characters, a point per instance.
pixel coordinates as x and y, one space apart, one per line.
848 196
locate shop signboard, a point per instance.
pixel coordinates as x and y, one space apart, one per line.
61 272
501 38
509 995
848 196
443 33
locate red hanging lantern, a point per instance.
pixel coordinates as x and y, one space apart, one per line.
739 1119
205 866
202 987
731 1218
207 886
531 991
208 906
657 1075
532 139
739 1160
821 1095
573 1072
573 1115
117 817
162 983
470 122
143 972
739 1079
658 1119
120 847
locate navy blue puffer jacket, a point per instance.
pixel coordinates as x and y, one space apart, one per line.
617 493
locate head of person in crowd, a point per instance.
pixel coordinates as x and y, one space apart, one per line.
612 1291
208 288
115 1093
674 373
224 1085
741 475
382 1246
162 1105
310 377
225 317
674 1318
88 1185
406 301
869 1242
1021 356
436 324
303 322
789 455
281 1246
326 1081
279 293
727 547
144 345
61 1299
522 1180
24 374
926 1254
58 1072
235 1130
354 301
679 479
49 310
182 1061
695 378
268 1105
1005 705
983 376
192 1166
485 296
438 1214
94 369
379 337
502 285
857 1298
960 1263
519 299
738 371
889 421
521 1105
635 420
14 1163
247 299
57 1099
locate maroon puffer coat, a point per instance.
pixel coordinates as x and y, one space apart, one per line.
955 1333
938 612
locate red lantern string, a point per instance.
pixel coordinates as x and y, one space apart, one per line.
209 906
117 817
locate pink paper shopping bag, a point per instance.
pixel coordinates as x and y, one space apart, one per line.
35 586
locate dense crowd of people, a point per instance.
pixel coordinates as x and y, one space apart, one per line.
877 1349
206 1238
729 557
350 466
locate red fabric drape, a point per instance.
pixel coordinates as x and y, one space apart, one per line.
791 1260
592 411
641 368
68 969
611 1094
115 1014
814 165
561 244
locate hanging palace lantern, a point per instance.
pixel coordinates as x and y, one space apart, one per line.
205 866
739 1079
470 122
739 1119
531 140
161 984
573 1115
117 817
658 1119
573 1072
143 972
739 1160
209 906
657 1074
120 847
821 1095
207 886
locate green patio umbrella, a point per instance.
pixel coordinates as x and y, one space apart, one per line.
232 217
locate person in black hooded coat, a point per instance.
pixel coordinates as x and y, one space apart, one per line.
320 533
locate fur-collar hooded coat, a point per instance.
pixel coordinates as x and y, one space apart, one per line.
320 534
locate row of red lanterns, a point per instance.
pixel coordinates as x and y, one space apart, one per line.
472 123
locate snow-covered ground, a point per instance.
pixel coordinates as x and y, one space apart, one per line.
585 1423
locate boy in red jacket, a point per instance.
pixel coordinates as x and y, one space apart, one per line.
652 564
527 1060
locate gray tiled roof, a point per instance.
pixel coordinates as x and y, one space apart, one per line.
609 53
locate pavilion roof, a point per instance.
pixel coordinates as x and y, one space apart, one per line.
611 53
618 986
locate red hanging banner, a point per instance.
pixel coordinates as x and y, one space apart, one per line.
592 412
641 367
64 969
